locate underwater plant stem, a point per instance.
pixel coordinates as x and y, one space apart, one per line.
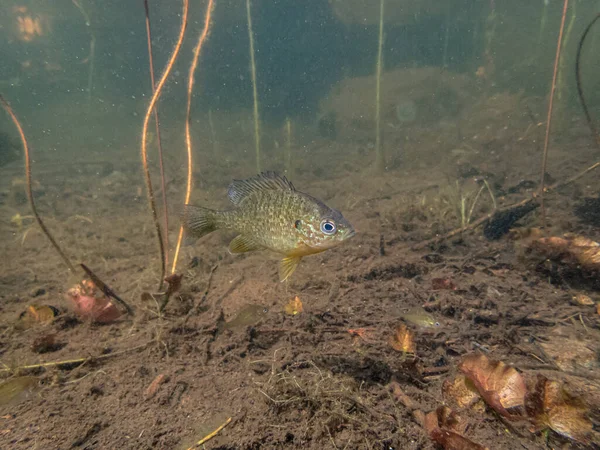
254 89
144 150
550 108
586 111
485 218
92 53
213 133
28 185
188 136
158 138
288 145
379 162
560 82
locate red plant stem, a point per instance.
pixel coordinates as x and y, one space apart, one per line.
39 220
158 138
550 108
144 151
188 137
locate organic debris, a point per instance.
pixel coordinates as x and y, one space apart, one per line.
36 315
152 389
91 303
45 344
435 425
403 340
294 307
501 386
569 353
462 391
572 250
553 407
583 300
443 283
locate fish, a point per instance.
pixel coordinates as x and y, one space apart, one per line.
420 317
270 214
248 315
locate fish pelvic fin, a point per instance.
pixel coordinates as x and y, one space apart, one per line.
198 221
287 266
243 244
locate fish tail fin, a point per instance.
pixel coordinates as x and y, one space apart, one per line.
198 221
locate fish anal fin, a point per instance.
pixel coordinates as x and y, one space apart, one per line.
243 244
239 190
287 266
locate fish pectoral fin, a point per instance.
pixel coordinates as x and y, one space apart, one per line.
287 266
243 244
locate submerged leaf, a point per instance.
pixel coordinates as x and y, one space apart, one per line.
16 389
553 407
449 440
91 303
36 315
501 386
294 307
403 340
462 391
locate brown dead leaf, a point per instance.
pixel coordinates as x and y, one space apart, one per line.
501 386
571 249
551 406
443 283
403 340
294 307
462 391
36 315
449 440
152 389
583 300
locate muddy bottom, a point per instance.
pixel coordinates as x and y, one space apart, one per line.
326 377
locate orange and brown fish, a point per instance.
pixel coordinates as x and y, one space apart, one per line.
271 214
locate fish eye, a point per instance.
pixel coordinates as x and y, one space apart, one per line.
328 227
297 224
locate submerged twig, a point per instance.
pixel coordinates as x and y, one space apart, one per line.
74 361
28 185
188 137
213 434
158 138
520 204
550 108
155 96
106 290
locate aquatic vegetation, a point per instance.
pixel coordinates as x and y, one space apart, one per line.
144 150
379 158
254 89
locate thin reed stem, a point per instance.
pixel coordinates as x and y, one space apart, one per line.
379 160
550 108
586 110
91 54
155 97
188 136
158 138
28 184
254 89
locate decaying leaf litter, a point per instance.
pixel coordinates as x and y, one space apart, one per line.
470 343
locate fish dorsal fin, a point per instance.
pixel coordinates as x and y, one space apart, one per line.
239 190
